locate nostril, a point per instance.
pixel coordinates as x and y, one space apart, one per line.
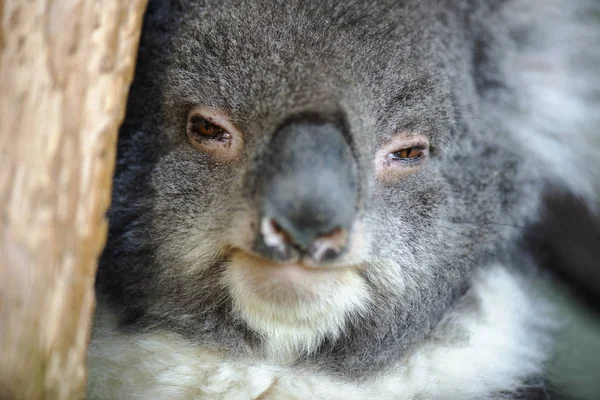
322 248
273 235
328 246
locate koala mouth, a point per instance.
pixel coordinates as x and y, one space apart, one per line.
297 270
277 282
292 306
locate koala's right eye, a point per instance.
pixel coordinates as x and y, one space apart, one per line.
211 132
202 128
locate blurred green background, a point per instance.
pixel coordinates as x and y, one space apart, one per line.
575 369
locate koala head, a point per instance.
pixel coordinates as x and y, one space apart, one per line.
297 179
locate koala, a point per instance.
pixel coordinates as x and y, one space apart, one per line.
333 200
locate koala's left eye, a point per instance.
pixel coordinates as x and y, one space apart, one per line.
409 154
402 155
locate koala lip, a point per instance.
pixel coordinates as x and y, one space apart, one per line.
291 279
305 268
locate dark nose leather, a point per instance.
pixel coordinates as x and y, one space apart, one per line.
307 191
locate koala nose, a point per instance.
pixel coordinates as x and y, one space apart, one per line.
307 191
306 238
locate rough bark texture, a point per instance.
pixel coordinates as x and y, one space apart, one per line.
65 70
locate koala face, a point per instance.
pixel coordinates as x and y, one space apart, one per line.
301 179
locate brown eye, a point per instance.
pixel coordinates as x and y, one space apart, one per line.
402 155
201 128
210 131
409 154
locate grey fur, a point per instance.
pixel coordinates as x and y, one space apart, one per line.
430 66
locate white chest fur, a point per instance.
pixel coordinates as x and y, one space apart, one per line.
476 351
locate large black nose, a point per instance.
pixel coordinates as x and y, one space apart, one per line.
307 191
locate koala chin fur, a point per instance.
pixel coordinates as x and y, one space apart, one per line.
432 295
496 335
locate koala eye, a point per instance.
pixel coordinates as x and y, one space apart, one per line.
201 129
410 154
211 132
400 156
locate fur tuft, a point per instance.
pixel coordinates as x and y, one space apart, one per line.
554 70
493 341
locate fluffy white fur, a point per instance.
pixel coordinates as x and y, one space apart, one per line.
493 340
293 313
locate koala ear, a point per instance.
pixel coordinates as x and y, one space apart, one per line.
553 70
557 81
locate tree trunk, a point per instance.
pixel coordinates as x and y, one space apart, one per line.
65 70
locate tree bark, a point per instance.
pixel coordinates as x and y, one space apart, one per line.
65 71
